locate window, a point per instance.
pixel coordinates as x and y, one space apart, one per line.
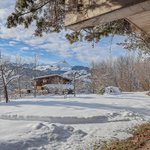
44 81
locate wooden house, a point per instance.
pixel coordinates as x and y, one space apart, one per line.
51 80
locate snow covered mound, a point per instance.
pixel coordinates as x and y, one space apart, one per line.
111 90
58 133
43 136
125 116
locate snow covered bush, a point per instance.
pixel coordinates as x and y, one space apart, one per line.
111 90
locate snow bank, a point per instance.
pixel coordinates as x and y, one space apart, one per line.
42 136
115 117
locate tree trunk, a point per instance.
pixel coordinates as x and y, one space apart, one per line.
74 89
74 86
6 94
35 89
5 86
19 87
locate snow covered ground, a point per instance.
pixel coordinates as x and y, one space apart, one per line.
55 123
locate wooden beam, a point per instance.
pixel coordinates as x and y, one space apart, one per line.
142 21
108 11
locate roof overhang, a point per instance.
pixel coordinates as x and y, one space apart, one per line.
135 11
51 76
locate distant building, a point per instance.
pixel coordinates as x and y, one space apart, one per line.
54 83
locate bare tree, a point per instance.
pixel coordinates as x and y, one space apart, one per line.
35 64
76 76
19 63
130 73
7 75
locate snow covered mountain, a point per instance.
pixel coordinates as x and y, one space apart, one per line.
60 66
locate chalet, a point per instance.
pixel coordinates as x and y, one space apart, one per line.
53 83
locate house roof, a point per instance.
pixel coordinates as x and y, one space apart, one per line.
51 75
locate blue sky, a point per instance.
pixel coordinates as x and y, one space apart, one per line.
51 47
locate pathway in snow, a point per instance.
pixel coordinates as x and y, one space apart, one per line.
110 117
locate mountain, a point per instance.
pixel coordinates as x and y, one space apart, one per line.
60 66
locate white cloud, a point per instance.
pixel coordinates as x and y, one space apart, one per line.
25 49
12 43
86 53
